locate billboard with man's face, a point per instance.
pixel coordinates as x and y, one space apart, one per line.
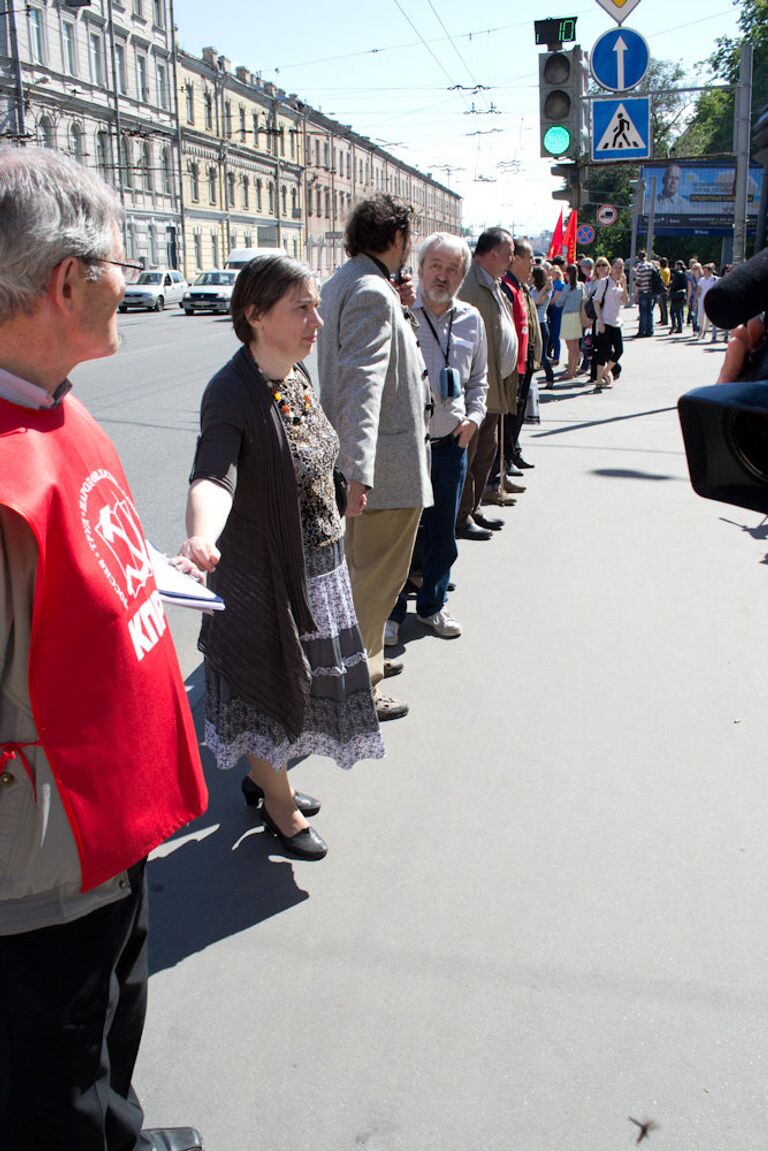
696 198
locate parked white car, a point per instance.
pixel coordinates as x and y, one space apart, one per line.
211 292
154 289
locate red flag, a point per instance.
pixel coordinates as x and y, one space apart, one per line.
556 247
570 237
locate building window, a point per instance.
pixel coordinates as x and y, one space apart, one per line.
292 135
271 191
153 245
189 93
317 153
246 194
228 118
230 189
319 201
208 104
247 240
158 13
45 132
145 168
121 72
130 241
194 181
349 166
294 202
284 200
166 170
259 195
141 76
256 130
282 141
327 154
212 185
96 55
327 205
215 248
198 242
138 8
103 158
162 85
242 124
69 47
35 17
76 149
128 161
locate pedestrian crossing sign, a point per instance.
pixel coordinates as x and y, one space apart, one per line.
621 129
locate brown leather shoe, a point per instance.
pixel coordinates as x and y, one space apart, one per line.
389 708
392 667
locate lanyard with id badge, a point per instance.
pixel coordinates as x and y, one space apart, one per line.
450 379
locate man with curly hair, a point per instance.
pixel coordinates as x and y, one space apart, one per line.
375 391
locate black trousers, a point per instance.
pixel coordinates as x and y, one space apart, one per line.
610 345
71 1017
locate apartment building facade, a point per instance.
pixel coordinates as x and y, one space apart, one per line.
96 80
205 157
241 160
342 167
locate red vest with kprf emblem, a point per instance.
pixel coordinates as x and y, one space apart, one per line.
107 696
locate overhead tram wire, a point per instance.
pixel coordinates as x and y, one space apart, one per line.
414 44
439 63
453 45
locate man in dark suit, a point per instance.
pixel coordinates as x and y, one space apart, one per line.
482 287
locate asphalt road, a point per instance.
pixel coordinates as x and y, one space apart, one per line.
544 912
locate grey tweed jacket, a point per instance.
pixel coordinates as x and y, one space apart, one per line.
374 387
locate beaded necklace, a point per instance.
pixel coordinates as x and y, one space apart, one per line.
284 406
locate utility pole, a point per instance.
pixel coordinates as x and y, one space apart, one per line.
742 113
637 207
122 172
651 218
21 129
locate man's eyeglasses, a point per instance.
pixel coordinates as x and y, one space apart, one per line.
130 270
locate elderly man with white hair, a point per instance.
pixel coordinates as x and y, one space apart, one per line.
452 339
98 756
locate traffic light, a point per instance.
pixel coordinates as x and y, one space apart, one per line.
562 85
574 193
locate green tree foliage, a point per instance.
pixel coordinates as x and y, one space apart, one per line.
710 130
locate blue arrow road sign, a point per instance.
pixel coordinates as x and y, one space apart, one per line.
621 129
619 59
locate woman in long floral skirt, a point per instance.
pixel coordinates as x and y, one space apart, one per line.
285 667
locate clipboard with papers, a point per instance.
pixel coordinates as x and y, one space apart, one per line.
179 589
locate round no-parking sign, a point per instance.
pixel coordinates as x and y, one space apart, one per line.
606 214
585 234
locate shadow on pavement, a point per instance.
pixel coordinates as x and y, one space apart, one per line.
631 474
215 877
597 423
760 532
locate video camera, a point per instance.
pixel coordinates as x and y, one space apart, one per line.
725 426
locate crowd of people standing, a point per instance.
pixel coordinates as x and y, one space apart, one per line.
308 510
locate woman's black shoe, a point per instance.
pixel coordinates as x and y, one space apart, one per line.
254 797
305 844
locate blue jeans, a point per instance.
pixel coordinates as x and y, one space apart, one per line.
438 530
645 300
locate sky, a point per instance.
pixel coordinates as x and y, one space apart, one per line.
387 69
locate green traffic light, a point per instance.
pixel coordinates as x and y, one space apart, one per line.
557 140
